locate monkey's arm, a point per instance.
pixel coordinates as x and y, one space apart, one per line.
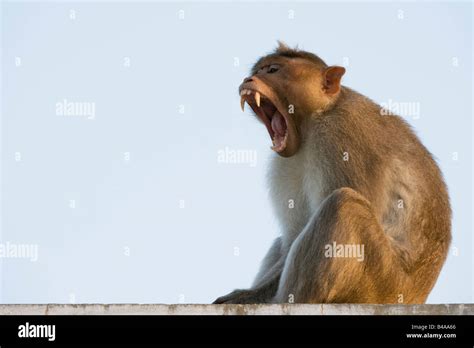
269 266
266 282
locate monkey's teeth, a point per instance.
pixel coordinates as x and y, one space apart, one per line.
257 98
249 92
242 103
243 92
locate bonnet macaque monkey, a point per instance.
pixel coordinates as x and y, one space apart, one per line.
363 207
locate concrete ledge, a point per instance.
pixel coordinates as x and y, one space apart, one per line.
264 309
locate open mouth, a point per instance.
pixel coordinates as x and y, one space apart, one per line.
269 114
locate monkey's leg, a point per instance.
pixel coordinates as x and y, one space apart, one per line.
342 256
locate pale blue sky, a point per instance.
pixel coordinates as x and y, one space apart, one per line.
172 224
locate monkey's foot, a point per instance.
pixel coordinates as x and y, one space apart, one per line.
239 297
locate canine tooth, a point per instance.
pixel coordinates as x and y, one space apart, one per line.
257 98
242 103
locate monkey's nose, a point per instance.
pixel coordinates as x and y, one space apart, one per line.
248 79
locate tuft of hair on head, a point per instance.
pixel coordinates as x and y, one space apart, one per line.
283 47
286 51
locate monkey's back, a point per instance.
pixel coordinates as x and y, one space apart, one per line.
382 158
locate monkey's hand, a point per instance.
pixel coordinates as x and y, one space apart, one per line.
240 297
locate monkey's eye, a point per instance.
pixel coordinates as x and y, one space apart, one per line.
273 68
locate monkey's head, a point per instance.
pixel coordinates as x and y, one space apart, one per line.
284 88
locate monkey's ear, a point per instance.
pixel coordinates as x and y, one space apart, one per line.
332 79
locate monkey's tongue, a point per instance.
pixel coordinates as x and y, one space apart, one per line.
278 124
279 128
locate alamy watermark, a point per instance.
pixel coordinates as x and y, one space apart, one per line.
405 109
19 251
28 330
237 156
345 250
76 109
